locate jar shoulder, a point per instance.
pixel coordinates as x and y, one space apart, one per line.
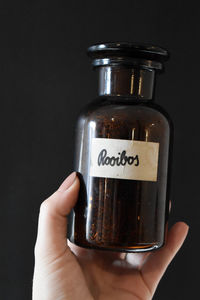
122 110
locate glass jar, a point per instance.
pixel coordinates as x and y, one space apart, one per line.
123 151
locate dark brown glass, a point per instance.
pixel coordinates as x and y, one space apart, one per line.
117 214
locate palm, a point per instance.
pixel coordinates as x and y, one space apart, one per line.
109 276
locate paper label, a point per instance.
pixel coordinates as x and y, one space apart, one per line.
124 159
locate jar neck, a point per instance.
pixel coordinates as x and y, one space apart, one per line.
126 81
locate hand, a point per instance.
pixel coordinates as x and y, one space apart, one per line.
67 272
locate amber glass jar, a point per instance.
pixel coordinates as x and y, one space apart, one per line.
123 144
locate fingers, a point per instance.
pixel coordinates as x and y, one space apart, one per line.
52 227
158 261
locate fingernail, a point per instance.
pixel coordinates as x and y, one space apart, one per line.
67 182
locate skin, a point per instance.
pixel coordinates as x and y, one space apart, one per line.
64 271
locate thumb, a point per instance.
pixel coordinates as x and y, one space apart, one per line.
52 226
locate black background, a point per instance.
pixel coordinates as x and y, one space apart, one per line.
46 77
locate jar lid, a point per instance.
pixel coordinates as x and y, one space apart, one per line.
117 53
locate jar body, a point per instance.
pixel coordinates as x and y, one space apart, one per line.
121 214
